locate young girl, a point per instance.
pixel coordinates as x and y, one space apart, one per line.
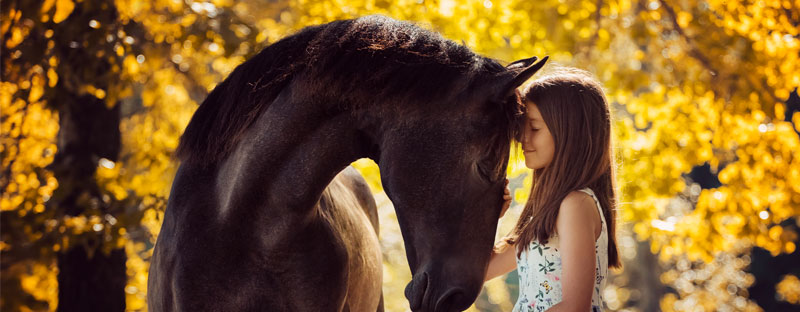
564 240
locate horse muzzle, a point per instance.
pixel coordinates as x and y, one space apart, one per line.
424 295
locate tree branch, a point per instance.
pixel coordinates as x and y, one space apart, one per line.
693 50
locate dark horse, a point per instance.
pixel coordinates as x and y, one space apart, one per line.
262 216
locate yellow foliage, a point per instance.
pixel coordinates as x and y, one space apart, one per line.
498 294
63 10
369 169
41 282
47 5
715 284
788 289
17 35
688 88
137 267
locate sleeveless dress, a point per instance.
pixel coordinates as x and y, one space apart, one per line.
539 269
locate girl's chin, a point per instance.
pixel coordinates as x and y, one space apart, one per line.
534 165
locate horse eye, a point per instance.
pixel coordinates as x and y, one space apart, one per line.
485 170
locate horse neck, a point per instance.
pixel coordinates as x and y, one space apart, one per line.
286 159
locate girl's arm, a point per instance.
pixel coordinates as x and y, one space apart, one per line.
577 224
501 262
504 260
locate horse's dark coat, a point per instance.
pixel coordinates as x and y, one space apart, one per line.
258 218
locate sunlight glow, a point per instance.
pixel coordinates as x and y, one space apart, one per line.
663 225
106 163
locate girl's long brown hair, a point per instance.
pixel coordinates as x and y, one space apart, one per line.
576 112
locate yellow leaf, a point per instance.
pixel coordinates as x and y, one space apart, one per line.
684 18
52 78
63 10
789 289
37 90
789 247
16 38
521 195
796 120
47 5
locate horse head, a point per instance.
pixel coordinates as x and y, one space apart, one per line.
444 169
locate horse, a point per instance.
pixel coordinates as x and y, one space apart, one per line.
264 212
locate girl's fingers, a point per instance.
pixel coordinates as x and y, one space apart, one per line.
506 197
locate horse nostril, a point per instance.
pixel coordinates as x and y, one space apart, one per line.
415 290
452 300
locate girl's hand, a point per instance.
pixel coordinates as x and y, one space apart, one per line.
506 200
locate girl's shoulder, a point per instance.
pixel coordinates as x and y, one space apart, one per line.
579 199
579 209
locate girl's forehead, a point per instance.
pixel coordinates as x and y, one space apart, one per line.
532 111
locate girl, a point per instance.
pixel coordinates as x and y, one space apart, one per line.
564 240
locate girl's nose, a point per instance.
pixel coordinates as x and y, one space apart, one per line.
526 138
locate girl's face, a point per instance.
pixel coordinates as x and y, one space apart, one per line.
537 142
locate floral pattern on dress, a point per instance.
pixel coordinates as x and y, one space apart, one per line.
539 269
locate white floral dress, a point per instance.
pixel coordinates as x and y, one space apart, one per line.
539 269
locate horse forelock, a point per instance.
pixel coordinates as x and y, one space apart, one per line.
368 61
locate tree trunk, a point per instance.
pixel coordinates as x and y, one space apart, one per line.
88 278
91 282
647 275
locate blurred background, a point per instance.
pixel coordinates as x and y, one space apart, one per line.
95 94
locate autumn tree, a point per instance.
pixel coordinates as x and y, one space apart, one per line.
94 97
96 93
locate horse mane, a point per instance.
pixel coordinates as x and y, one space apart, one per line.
356 61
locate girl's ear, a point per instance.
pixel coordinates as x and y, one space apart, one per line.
517 73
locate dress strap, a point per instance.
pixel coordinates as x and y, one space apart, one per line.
596 203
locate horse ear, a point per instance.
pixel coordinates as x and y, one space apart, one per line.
522 70
521 63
